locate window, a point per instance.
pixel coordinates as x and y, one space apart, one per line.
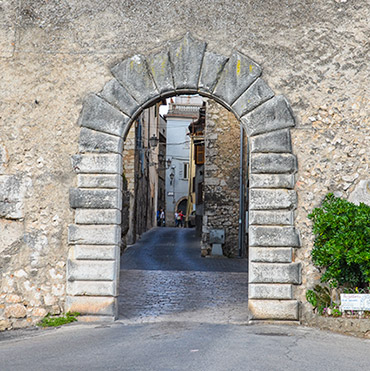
199 154
186 170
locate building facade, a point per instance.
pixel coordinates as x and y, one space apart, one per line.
76 76
182 111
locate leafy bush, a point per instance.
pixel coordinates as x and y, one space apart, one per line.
319 297
342 242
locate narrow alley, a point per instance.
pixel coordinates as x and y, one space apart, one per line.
164 278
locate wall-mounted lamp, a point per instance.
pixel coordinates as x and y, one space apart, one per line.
172 176
153 141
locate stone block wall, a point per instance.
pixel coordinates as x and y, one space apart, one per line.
221 176
54 54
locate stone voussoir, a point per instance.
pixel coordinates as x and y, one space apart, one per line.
161 70
119 97
267 199
97 163
278 141
94 199
270 291
272 181
273 236
186 57
269 217
133 73
94 234
275 273
91 270
258 93
272 115
271 254
238 74
212 66
274 309
273 163
97 114
97 141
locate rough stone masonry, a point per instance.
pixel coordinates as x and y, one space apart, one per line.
54 54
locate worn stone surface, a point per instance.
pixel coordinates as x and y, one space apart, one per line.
238 74
96 305
134 75
91 288
221 183
3 158
118 96
267 199
276 141
271 181
91 270
61 54
265 217
186 58
161 70
12 193
99 115
273 163
361 193
258 93
99 181
98 164
271 255
270 291
273 236
16 311
212 66
95 198
275 273
95 141
94 235
98 216
93 252
274 309
272 115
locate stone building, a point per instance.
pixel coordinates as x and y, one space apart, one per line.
182 111
144 174
76 75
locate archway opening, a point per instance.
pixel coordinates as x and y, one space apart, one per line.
184 66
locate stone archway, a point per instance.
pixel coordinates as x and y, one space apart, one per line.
184 67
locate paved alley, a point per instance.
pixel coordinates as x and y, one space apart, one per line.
164 278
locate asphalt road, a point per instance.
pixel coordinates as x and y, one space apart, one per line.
182 346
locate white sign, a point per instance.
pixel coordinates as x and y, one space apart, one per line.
169 193
355 302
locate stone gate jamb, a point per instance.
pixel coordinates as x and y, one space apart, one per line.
183 67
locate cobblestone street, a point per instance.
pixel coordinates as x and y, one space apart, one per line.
164 278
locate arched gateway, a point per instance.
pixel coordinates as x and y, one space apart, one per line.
184 67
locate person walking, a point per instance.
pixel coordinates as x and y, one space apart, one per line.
181 218
162 219
176 219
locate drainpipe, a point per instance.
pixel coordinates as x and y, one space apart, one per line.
241 196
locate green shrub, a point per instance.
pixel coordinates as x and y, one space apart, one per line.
342 242
319 297
54 321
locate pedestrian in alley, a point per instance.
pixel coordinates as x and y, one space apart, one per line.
181 219
159 211
177 219
162 218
